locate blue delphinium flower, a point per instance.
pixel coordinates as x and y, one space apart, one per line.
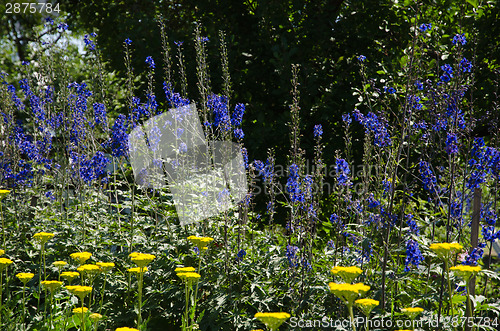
241 254
89 42
374 125
419 85
175 100
291 255
218 105
465 65
459 39
389 90
150 62
128 41
238 133
119 137
293 184
424 27
342 171
237 116
413 255
99 114
62 26
427 175
451 143
347 119
448 73
318 131
412 224
474 256
361 58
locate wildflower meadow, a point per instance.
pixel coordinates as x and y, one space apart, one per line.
139 196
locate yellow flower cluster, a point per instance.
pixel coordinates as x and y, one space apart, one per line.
4 262
79 291
52 285
69 275
105 266
444 250
2 252
189 277
185 269
59 264
346 273
141 259
25 277
81 257
43 237
80 310
412 312
90 269
348 292
272 320
366 305
200 242
95 317
3 193
465 271
138 270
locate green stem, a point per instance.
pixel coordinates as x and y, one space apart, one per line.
139 317
83 324
351 316
102 294
469 303
185 319
24 306
449 286
51 310
1 288
3 227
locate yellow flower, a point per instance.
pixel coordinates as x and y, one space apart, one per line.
80 291
138 270
95 317
43 237
80 310
348 292
81 257
185 269
366 305
4 263
2 252
444 250
105 266
59 264
141 259
412 312
126 329
25 277
52 285
201 242
90 269
346 273
465 271
189 277
272 320
69 275
3 193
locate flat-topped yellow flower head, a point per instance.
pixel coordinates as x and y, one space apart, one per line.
138 270
2 252
60 264
412 312
126 329
465 271
445 250
272 320
141 259
189 277
69 275
25 277
4 263
3 193
105 266
366 305
52 285
348 292
80 310
81 257
200 242
43 237
346 273
185 269
80 291
95 317
89 269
